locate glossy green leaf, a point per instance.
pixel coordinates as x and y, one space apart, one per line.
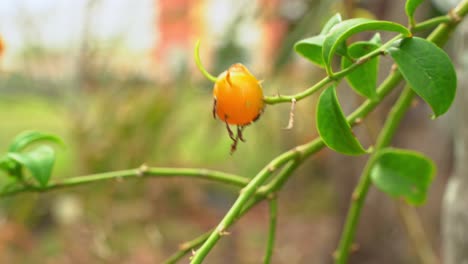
363 79
410 8
333 127
27 138
347 28
428 70
38 161
311 48
403 173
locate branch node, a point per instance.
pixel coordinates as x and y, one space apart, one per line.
271 196
184 246
454 16
142 170
271 168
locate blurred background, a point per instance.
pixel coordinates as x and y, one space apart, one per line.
116 79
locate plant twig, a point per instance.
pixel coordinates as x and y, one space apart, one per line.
439 36
360 193
143 171
273 205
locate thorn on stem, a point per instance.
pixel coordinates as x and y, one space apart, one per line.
358 121
355 196
224 233
291 115
193 253
394 68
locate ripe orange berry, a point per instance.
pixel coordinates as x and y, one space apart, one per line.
238 99
238 96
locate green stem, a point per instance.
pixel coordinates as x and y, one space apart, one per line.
244 196
360 193
196 55
439 36
341 74
273 205
143 171
430 23
300 152
327 80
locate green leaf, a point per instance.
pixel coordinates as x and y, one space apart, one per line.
311 48
333 127
428 70
38 161
363 79
403 173
376 39
26 138
331 23
347 28
410 7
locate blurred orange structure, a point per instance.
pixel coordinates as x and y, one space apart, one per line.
178 22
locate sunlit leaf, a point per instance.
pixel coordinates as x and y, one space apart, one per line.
428 70
403 173
333 127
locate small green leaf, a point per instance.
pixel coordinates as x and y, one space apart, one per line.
331 23
403 173
311 48
347 28
410 7
38 161
428 70
26 138
333 127
363 79
376 39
